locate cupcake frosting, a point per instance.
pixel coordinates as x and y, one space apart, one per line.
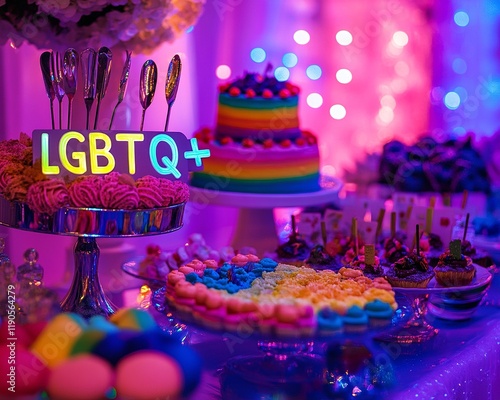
410 265
319 256
47 196
150 195
448 260
85 191
119 191
294 248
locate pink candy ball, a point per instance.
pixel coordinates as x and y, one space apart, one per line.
84 377
148 375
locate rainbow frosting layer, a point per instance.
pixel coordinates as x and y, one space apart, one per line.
257 145
240 117
251 167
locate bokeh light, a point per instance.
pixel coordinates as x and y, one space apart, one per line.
437 94
301 37
281 74
314 72
459 66
344 38
290 60
338 111
190 29
386 115
402 68
314 100
344 75
388 101
452 100
258 55
223 71
400 39
461 18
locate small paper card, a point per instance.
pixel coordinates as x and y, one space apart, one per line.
309 227
367 231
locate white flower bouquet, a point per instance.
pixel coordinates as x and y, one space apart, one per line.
139 25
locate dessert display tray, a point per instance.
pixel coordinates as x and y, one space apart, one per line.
92 222
86 296
132 268
330 188
481 281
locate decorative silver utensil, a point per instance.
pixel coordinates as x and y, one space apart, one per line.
70 73
56 75
104 57
147 86
88 61
122 88
45 67
172 84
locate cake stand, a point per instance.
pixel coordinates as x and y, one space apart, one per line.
449 303
291 365
86 296
255 225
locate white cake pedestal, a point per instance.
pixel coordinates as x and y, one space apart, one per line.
255 225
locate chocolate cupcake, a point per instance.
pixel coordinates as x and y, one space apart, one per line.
319 259
394 250
294 252
454 271
411 271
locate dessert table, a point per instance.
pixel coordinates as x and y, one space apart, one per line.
461 362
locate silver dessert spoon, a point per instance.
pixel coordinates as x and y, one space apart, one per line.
56 76
104 58
147 86
88 62
70 73
45 67
172 84
122 88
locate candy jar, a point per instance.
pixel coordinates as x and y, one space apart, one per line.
30 273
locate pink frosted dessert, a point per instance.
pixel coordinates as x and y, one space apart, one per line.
84 191
181 192
118 191
47 196
15 179
173 192
149 191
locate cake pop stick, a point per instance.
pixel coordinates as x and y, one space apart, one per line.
380 219
393 224
417 237
428 219
465 196
294 226
355 234
466 226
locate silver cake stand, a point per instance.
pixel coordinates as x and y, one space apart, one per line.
86 296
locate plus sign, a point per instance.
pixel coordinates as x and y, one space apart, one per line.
195 153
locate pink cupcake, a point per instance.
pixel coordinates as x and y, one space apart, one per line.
149 191
85 191
47 196
118 191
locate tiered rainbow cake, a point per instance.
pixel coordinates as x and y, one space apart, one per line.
257 145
